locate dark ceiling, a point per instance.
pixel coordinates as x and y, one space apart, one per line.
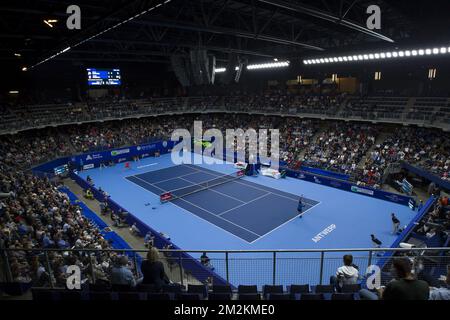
254 29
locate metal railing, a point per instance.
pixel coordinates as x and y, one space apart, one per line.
238 267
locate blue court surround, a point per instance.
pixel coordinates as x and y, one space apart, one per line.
243 208
354 217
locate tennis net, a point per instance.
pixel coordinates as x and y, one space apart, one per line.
185 191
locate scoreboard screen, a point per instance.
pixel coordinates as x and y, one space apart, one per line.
104 77
61 170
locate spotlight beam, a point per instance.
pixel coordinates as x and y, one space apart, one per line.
79 42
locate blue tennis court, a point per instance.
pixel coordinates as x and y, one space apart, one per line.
243 208
252 213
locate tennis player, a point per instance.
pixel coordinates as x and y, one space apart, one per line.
300 206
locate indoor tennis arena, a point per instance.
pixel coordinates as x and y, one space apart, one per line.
197 157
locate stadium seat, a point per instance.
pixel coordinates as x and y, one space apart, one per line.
222 289
328 288
342 296
268 289
188 296
100 296
172 288
249 296
159 296
15 288
199 289
312 296
40 294
146 288
351 288
279 296
74 295
132 296
121 288
247 289
299 288
219 296
99 286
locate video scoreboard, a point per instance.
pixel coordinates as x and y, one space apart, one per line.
104 77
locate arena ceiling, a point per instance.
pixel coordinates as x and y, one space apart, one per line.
254 29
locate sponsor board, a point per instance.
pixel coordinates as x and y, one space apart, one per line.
317 180
88 166
119 152
335 184
393 198
147 147
362 190
94 156
122 160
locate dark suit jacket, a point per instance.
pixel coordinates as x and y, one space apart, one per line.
154 273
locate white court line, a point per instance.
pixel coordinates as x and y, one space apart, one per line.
215 215
148 183
182 199
256 188
200 218
219 216
296 217
245 203
223 194
147 165
184 175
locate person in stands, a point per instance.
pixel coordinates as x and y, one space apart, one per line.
405 286
153 270
442 293
346 274
89 195
121 273
205 261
